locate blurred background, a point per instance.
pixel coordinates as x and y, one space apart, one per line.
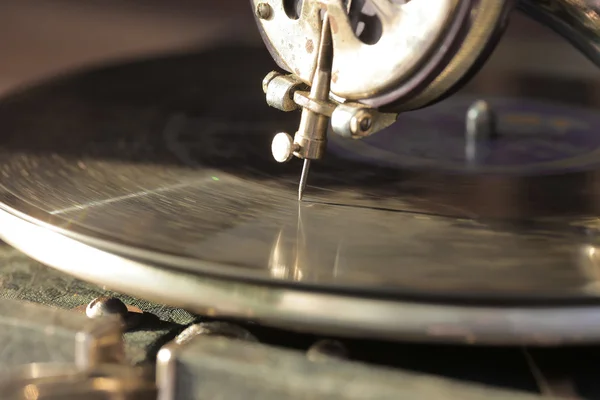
45 38
48 37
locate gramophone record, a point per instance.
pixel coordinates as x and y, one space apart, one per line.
155 162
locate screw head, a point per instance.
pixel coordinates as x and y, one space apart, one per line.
106 306
268 78
365 123
283 147
264 11
361 123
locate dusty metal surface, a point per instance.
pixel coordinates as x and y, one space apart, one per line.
208 367
33 333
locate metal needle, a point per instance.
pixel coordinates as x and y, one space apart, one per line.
303 178
312 132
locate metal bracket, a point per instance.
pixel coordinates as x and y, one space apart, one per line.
350 120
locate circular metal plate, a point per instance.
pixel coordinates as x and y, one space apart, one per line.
426 49
488 25
157 182
411 34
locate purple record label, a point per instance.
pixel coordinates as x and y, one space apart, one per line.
533 137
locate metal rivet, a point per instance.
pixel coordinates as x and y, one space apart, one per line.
264 11
106 306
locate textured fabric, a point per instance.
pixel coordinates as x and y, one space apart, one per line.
22 278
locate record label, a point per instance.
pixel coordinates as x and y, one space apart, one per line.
533 137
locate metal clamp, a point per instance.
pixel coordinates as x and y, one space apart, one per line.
350 120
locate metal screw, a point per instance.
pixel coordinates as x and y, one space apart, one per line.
283 147
365 123
264 11
361 123
106 306
267 79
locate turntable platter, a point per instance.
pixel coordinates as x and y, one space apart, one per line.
166 163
